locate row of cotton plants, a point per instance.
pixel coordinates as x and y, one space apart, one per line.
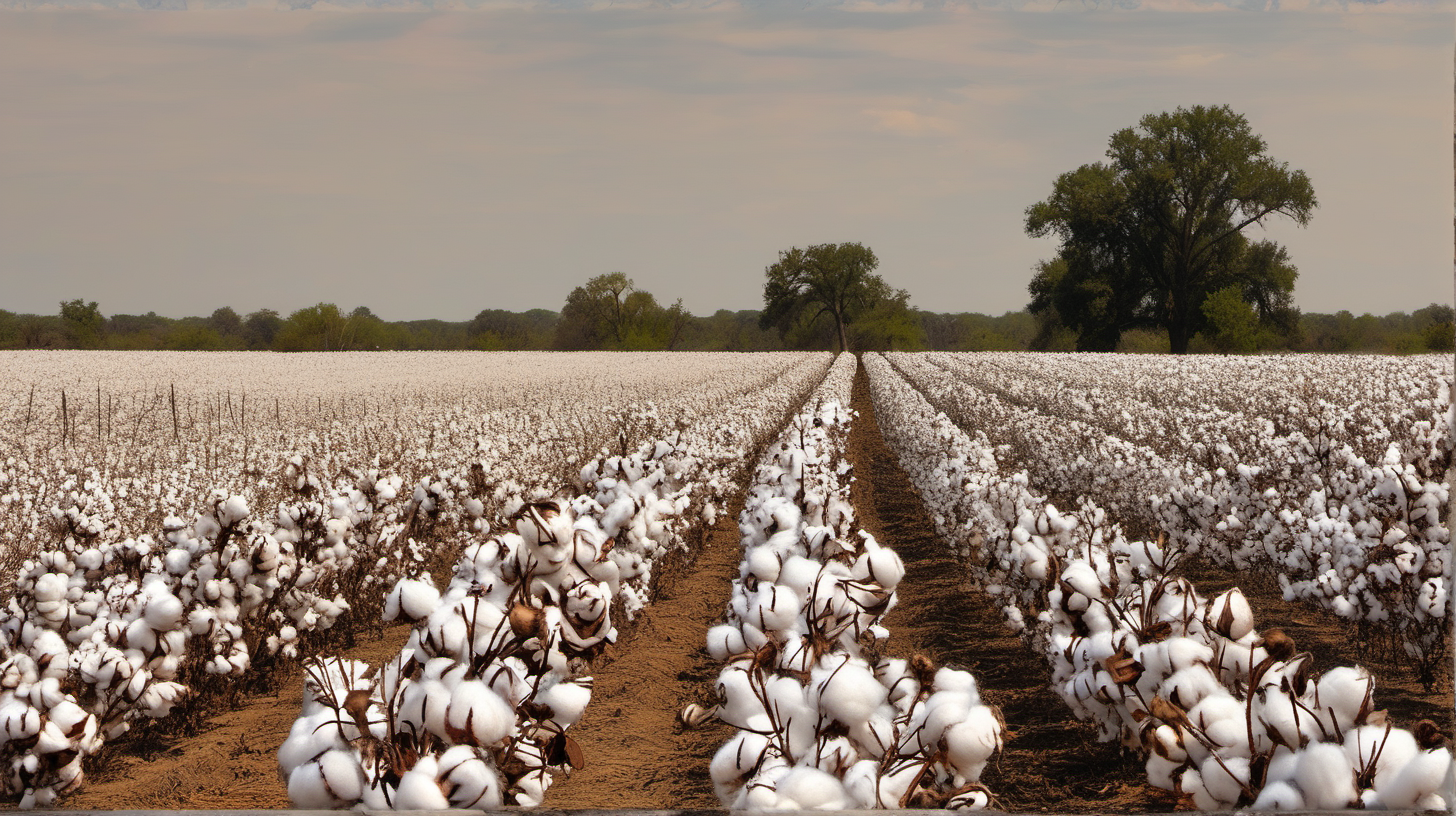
102 632
1225 717
474 710
1362 540
146 435
823 721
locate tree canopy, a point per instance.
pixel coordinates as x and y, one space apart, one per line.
1149 235
609 312
836 281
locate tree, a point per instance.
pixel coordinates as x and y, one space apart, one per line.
84 321
260 327
1148 235
833 280
609 312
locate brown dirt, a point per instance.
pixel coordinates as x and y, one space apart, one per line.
636 754
232 760
1051 762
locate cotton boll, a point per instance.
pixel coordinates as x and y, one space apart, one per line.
478 711
1280 795
861 782
809 788
848 693
725 641
413 599
971 742
1346 692
880 565
948 679
1394 748
1422 776
1325 777
875 735
1191 784
1224 781
419 789
733 762
762 563
471 781
163 609
567 700
798 574
307 739
1230 615
307 789
341 774
1160 771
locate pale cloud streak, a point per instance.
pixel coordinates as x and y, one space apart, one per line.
435 164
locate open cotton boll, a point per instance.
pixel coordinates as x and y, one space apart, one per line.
1191 784
163 610
733 762
725 641
1230 615
1345 691
762 563
861 781
881 565
1224 781
567 700
1279 795
308 738
1393 747
1160 771
419 789
1423 775
808 788
940 711
1324 777
308 790
970 743
948 679
469 780
798 574
847 692
773 608
875 735
478 711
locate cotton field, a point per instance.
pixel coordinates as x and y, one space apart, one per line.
174 522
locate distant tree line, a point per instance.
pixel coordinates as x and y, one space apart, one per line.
614 314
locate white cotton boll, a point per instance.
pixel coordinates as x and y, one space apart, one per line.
1280 795
1422 775
1160 771
1345 691
160 697
1225 781
1324 776
477 710
1230 615
307 789
724 641
798 574
567 700
1191 783
471 781
896 782
308 738
971 742
1282 765
177 561
880 565
1395 749
417 599
1183 652
1189 686
341 773
419 789
762 563
774 608
734 761
941 710
862 782
51 740
809 788
948 679
848 693
163 610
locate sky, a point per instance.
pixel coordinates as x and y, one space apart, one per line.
429 160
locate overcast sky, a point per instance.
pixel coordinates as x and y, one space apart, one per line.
432 164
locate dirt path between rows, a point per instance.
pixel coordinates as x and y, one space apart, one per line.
232 760
1050 762
636 755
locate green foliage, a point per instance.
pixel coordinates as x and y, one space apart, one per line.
1231 324
834 281
324 328
83 321
609 312
1148 235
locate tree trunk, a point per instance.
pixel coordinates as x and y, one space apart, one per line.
843 342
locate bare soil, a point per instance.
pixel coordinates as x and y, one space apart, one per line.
637 756
1050 762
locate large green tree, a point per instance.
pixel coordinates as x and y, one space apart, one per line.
610 312
838 282
1149 234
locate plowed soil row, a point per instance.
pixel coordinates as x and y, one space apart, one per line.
1051 762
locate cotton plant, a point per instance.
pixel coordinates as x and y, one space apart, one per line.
822 720
1225 716
474 711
